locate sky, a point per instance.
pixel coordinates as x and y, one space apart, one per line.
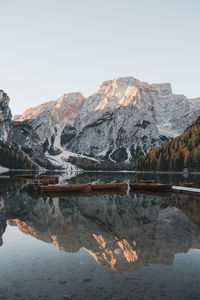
52 47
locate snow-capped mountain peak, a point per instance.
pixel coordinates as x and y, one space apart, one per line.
124 118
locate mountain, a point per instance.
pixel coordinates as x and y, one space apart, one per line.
11 155
50 120
123 119
19 143
177 154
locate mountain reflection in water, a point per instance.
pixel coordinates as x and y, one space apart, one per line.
121 232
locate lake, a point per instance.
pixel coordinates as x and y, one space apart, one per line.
103 246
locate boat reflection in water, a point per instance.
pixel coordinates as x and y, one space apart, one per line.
121 232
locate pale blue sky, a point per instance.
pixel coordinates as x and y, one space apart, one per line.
51 47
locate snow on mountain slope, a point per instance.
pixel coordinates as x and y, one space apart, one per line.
49 119
127 116
60 160
124 118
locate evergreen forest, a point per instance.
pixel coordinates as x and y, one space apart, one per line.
13 158
176 154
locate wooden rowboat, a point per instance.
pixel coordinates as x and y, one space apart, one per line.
64 188
186 184
25 176
109 186
156 187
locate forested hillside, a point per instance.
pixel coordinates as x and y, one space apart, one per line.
10 157
177 154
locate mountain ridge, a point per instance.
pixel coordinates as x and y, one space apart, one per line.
123 119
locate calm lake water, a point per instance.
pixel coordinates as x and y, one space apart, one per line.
106 246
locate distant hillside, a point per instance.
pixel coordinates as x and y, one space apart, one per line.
177 154
13 158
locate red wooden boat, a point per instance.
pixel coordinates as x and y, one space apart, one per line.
186 184
156 187
109 186
64 188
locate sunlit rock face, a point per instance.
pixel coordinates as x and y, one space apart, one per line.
133 115
54 121
5 116
120 232
123 119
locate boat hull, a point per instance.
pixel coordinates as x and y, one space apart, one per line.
64 188
186 184
109 187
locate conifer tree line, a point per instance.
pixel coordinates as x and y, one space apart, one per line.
103 165
177 154
12 158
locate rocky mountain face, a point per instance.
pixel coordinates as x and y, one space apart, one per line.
51 120
15 140
120 232
125 118
40 130
5 116
122 120
9 153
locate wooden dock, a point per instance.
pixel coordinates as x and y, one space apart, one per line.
187 190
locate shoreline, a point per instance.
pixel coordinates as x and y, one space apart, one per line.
5 170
